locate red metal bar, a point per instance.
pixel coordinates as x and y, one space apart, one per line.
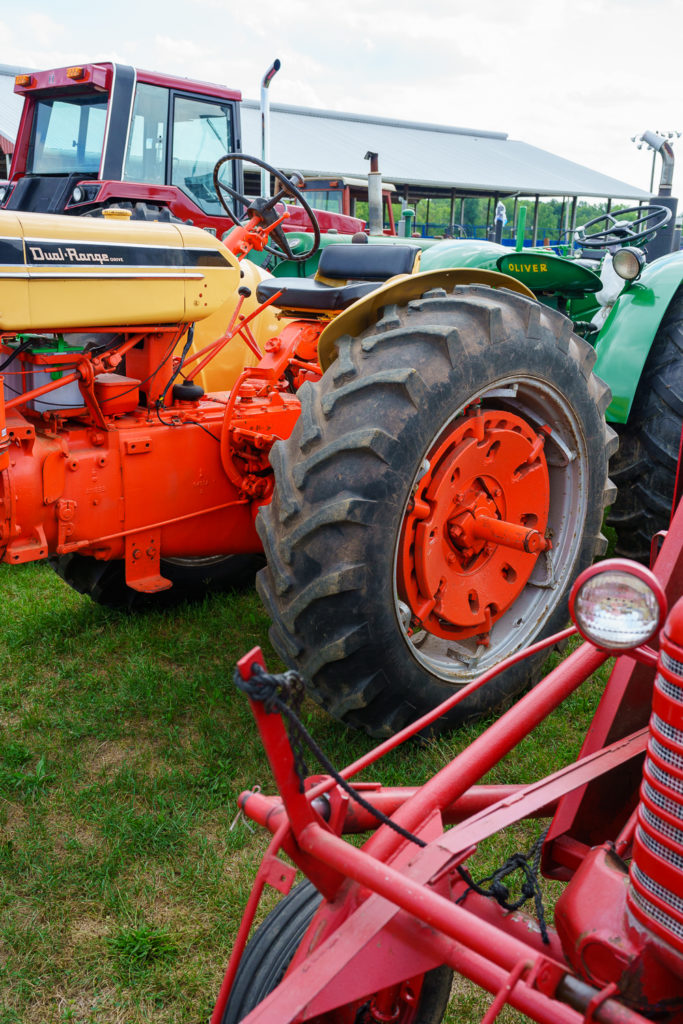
52 385
330 978
389 799
538 794
77 375
624 840
215 346
276 742
428 719
505 991
499 739
246 923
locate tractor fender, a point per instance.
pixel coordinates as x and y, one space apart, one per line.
400 291
625 341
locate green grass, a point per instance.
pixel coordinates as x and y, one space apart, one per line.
123 747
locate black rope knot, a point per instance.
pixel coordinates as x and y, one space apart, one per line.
273 691
500 892
530 888
284 694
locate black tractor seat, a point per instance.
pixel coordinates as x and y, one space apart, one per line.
346 272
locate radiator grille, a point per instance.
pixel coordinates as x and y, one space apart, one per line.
658 844
671 665
667 731
662 851
664 779
666 755
672 806
654 912
658 824
674 901
670 689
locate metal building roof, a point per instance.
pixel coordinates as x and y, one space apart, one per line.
427 156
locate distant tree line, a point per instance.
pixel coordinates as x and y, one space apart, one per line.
478 214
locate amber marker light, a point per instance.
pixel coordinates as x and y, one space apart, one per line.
75 73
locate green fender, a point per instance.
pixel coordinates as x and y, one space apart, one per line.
465 252
625 340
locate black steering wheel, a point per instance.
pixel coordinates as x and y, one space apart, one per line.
265 208
616 232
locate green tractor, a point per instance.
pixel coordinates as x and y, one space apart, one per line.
630 308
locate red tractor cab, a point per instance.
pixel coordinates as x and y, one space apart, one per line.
100 135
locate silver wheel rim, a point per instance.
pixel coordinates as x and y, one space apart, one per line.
566 451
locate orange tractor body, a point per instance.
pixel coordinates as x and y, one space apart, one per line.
91 460
427 452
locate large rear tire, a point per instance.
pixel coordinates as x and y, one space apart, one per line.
193 579
479 401
644 468
275 942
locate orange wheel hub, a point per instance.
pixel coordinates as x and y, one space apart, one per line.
475 525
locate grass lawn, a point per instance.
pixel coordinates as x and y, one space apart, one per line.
123 747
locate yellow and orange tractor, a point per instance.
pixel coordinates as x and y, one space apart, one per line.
422 457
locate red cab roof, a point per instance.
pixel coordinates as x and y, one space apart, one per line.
99 76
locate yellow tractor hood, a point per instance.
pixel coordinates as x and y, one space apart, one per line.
62 273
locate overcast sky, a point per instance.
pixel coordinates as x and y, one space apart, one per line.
576 77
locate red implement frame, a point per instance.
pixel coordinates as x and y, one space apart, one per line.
389 912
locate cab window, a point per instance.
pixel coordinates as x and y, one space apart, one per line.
203 132
67 135
146 153
324 200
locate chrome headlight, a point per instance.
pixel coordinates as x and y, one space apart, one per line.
618 605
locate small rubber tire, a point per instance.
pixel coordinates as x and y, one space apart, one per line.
344 478
193 579
275 942
644 468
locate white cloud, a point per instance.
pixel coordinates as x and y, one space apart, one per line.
556 73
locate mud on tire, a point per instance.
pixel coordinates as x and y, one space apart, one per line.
346 563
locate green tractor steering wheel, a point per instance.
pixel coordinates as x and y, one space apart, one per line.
617 232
